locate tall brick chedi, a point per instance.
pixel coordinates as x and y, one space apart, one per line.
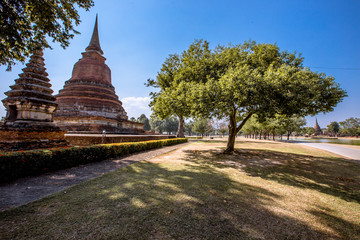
30 106
88 102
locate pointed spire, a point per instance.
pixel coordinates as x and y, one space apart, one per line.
94 44
317 127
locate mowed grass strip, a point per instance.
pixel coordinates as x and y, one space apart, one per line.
263 191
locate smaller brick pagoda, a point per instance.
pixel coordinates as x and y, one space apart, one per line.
30 106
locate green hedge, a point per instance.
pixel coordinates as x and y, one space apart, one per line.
19 164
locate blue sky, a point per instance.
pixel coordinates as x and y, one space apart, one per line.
137 36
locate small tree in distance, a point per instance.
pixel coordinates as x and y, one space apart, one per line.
333 128
223 129
202 126
143 119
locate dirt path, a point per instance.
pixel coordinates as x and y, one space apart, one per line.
29 189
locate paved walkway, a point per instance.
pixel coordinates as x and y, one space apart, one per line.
29 189
338 149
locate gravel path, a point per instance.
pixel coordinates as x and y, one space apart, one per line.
29 189
338 149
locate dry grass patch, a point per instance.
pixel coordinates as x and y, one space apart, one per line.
263 191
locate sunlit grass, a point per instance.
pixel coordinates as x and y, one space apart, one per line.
263 191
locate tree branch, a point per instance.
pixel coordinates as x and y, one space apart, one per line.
243 122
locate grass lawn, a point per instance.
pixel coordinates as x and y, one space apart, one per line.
265 190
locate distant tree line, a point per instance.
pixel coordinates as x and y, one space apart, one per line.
281 125
270 127
157 125
349 127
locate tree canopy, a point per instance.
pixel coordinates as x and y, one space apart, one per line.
235 82
350 126
333 128
202 126
25 25
260 79
143 119
174 82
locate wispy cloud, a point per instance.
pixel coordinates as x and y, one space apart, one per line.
135 106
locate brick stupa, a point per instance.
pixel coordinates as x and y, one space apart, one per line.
317 128
30 106
88 103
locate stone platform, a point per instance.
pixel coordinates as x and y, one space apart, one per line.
26 139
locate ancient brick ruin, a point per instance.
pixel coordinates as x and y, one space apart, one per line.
30 106
317 128
88 103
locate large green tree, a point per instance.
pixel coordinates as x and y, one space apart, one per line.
174 82
26 24
260 79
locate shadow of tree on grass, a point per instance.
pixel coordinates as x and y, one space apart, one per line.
338 177
151 201
192 199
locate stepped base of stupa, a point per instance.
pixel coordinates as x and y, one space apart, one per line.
24 136
96 124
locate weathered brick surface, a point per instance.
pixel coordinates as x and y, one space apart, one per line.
89 93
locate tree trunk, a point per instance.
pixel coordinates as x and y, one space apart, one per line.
288 136
232 133
233 130
180 132
231 140
273 133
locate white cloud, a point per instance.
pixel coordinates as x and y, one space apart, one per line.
135 106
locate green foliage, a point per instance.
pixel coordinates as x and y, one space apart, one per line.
171 125
156 124
350 127
168 125
333 128
174 82
202 126
223 129
26 25
291 124
280 124
260 79
308 130
143 119
235 82
188 126
18 164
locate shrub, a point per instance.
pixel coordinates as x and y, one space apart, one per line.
18 164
